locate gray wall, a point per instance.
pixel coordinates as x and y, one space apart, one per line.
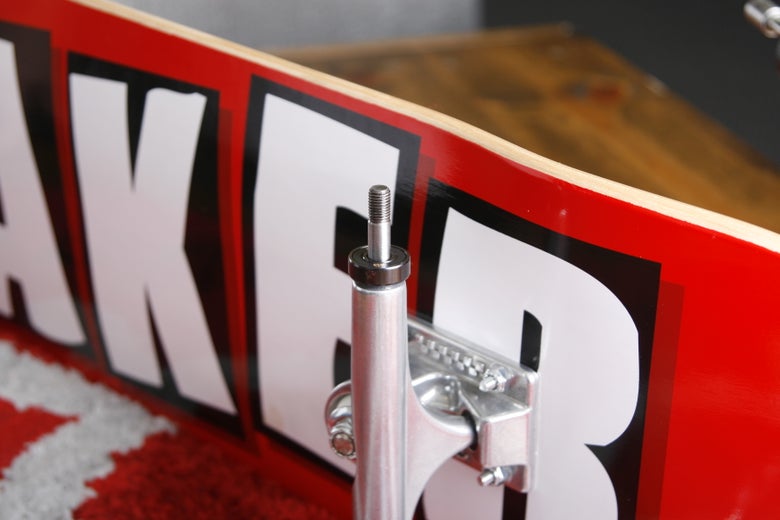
282 23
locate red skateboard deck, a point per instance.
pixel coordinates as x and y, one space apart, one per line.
178 210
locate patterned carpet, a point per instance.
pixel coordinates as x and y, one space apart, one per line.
71 447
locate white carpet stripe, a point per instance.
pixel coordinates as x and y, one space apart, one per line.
47 480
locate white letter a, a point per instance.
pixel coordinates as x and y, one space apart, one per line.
28 251
135 225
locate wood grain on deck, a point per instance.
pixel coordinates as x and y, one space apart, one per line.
568 98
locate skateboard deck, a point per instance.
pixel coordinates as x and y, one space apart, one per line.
177 210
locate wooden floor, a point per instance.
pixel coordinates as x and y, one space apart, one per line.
565 96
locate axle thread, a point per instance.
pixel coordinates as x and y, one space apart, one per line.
379 204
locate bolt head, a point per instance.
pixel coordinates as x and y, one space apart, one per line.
486 478
495 476
343 444
342 439
488 384
494 380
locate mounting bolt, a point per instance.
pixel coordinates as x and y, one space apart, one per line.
494 380
495 476
342 439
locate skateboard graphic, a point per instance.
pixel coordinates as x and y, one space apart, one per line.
180 211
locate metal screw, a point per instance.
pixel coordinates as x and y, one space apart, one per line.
495 476
494 380
488 384
342 439
379 223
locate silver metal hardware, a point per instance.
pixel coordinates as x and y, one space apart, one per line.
379 369
419 396
379 223
497 394
342 440
338 420
495 476
765 15
495 379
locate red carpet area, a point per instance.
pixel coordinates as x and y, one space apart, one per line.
74 448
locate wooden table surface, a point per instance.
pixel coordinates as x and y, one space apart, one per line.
565 96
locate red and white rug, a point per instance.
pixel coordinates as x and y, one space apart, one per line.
73 448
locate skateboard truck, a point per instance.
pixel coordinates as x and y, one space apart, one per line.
420 396
765 15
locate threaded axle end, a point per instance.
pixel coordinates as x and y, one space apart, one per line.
379 204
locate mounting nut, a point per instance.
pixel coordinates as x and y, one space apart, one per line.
494 380
342 439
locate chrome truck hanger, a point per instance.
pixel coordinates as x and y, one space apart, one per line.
420 396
